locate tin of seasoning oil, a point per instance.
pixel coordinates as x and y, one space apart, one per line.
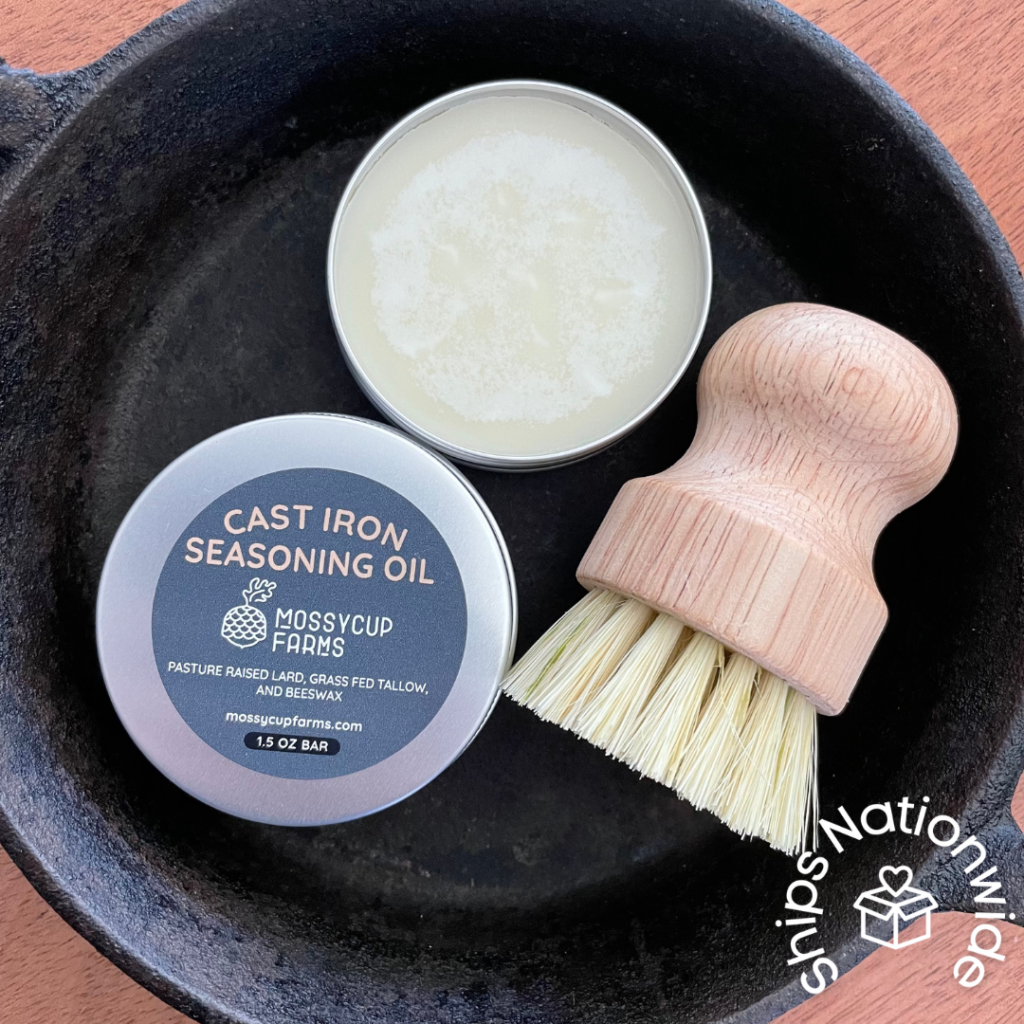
305 619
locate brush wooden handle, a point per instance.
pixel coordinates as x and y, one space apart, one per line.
815 428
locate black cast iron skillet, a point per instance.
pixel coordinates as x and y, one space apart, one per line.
163 231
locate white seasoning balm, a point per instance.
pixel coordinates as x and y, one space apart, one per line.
304 619
519 272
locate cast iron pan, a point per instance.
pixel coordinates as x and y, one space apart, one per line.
162 243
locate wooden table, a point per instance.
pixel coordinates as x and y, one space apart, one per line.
960 63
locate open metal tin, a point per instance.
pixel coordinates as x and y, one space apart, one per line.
377 618
661 160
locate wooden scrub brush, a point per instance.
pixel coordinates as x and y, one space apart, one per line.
732 594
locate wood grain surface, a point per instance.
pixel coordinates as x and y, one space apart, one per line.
916 985
960 63
57 35
785 411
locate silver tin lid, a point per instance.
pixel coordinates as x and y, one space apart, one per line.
647 143
305 619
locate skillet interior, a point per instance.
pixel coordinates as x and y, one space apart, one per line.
161 278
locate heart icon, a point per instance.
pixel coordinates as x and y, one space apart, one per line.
895 880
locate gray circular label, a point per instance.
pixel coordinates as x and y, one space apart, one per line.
309 623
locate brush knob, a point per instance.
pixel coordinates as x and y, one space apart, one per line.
815 427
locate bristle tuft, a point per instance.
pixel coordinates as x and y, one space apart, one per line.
709 754
794 813
610 715
745 800
526 681
666 723
725 734
579 674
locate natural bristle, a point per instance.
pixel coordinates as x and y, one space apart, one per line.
609 717
725 734
579 674
667 723
528 678
743 801
795 806
709 754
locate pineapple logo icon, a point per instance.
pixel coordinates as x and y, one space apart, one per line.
244 625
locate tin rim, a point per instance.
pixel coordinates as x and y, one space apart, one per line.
636 133
181 491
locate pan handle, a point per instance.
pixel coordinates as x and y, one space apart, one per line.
33 108
996 821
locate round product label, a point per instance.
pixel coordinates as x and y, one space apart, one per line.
309 623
